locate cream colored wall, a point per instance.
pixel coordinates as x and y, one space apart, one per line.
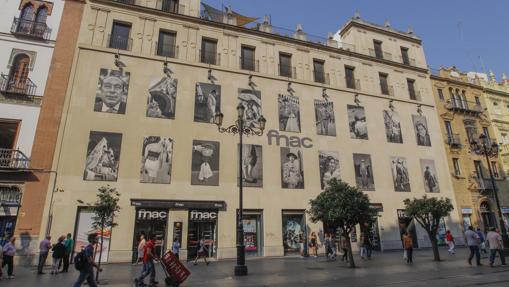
134 125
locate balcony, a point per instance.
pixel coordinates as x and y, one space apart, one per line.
454 141
30 29
287 71
354 84
165 50
11 159
464 107
20 89
249 64
321 77
121 43
211 58
483 184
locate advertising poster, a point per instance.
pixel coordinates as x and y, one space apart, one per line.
84 228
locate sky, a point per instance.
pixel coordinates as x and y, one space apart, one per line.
471 35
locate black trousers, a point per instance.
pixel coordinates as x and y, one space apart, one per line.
9 261
66 262
409 254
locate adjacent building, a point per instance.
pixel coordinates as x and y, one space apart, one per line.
462 108
28 29
133 103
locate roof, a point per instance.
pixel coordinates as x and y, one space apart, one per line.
379 28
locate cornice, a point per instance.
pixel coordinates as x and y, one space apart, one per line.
373 28
456 82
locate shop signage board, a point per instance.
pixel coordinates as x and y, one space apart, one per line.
179 204
466 211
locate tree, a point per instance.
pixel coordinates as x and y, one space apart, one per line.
105 209
428 212
343 207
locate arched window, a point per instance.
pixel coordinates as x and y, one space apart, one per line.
27 12
41 15
18 75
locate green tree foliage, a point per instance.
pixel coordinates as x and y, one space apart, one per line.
428 212
342 206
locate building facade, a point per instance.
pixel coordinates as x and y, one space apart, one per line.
461 106
145 82
28 30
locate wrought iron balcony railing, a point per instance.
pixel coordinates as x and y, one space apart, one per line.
287 71
165 50
13 159
249 64
454 140
30 28
121 43
459 105
9 86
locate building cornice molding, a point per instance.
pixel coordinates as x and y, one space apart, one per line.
456 82
374 28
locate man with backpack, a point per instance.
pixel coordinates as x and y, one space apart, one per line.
84 262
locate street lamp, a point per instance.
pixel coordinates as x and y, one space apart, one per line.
239 128
490 149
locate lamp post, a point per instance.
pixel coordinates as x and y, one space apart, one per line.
239 128
490 149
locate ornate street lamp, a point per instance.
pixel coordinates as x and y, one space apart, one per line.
239 128
490 149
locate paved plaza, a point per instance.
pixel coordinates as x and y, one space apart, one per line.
387 269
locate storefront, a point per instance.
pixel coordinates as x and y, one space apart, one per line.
202 226
253 232
10 199
407 224
487 216
151 222
294 231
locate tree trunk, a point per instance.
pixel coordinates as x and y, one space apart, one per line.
100 252
434 246
350 254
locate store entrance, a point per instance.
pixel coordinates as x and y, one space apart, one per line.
294 232
202 226
253 238
150 221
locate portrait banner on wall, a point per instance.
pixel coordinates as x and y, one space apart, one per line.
429 174
324 115
162 98
400 175
357 122
289 113
207 102
364 177
84 228
392 124
329 167
112 90
292 170
252 165
252 102
205 163
421 130
103 155
156 156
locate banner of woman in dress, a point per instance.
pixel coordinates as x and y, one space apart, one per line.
207 102
252 165
205 163
289 113
157 153
324 115
400 175
329 167
292 170
162 98
112 90
252 102
103 155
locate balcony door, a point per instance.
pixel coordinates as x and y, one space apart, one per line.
8 133
18 75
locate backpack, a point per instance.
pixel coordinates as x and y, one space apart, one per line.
80 260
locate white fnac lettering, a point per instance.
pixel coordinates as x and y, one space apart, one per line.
289 141
151 214
203 215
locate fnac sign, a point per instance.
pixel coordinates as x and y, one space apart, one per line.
143 214
202 215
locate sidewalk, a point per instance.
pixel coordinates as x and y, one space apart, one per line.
387 269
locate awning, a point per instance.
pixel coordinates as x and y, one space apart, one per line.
179 204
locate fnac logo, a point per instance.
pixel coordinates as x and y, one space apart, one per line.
151 214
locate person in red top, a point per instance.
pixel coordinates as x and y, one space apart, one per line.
148 264
449 239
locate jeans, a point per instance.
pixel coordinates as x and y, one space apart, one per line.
87 273
9 261
42 261
493 254
367 250
474 250
148 269
56 264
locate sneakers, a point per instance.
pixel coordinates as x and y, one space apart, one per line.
11 277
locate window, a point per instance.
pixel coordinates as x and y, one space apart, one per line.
404 56
464 100
448 130
18 74
41 15
456 164
378 49
285 65
384 85
120 36
440 94
171 6
411 89
486 132
494 169
27 12
478 169
8 133
350 77
247 58
166 44
318 71
477 101
209 51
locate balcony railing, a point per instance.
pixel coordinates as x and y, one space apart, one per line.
287 71
321 77
484 184
121 43
211 58
353 83
454 140
165 50
249 64
30 28
464 106
13 159
19 88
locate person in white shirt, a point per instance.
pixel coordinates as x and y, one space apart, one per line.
496 245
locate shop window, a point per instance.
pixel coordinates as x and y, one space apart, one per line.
202 226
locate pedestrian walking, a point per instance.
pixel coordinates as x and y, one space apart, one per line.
85 263
141 248
473 241
148 264
496 245
202 252
175 247
366 248
44 248
408 245
68 244
449 239
58 254
8 257
482 238
313 244
344 247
